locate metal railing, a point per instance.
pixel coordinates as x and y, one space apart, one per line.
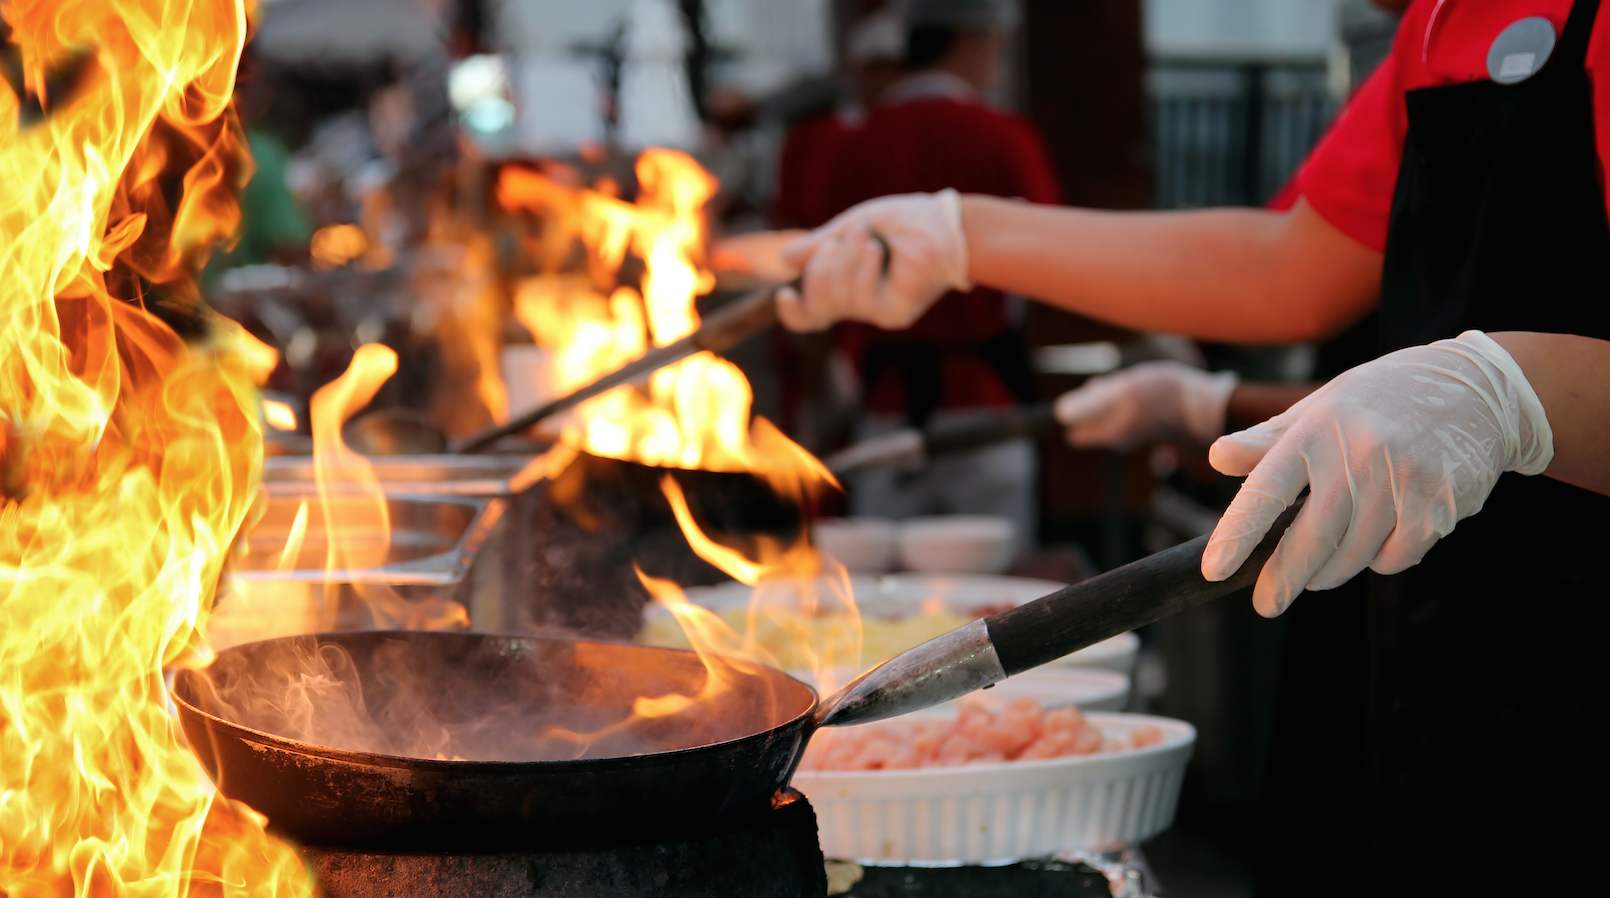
1231 131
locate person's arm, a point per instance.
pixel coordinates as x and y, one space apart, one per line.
1257 402
1237 275
1242 275
1394 453
1158 402
1571 376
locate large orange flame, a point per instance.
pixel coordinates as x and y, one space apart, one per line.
352 501
694 414
131 457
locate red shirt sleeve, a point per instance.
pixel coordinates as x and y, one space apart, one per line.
1350 177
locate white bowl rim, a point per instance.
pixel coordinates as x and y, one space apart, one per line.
852 522
1178 735
928 523
870 585
867 585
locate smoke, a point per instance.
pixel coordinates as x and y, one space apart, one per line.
474 697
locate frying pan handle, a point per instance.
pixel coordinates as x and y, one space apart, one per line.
738 322
756 312
947 437
986 651
1122 599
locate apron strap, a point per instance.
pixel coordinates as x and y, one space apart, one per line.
1573 47
920 367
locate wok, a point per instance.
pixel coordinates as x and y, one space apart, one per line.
673 774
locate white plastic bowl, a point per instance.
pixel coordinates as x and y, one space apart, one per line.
997 813
957 544
862 545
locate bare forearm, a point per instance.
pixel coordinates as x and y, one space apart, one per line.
1240 275
1571 375
1254 403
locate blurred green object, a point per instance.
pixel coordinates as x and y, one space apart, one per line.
272 225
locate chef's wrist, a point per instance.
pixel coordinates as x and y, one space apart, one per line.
1509 357
984 232
1253 403
955 252
1206 407
970 208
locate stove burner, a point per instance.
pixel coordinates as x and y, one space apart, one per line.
773 856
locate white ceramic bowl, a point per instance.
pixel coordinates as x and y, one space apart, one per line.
1089 688
956 544
995 813
862 545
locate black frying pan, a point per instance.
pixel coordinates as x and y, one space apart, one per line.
680 772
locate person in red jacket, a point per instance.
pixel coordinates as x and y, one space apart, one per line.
1461 198
933 130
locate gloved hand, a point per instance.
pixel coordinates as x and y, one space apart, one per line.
1148 403
843 264
1394 453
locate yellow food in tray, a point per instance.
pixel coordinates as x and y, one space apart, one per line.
800 642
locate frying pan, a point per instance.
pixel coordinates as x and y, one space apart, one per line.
675 774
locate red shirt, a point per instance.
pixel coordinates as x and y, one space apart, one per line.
803 169
1349 179
922 145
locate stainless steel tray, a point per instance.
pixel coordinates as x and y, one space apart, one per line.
434 542
486 476
501 564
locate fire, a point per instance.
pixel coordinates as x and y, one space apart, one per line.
279 415
340 471
695 414
460 304
131 456
333 246
352 500
794 589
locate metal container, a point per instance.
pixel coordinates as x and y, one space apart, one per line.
427 556
470 476
503 560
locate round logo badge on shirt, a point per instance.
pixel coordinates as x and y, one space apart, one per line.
1520 50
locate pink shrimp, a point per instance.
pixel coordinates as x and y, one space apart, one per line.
1145 737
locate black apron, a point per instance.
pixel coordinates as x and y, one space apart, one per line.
1487 659
919 366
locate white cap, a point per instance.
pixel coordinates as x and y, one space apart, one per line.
878 37
968 15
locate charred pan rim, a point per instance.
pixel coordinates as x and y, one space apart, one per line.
181 681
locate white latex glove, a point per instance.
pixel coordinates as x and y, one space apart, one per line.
1149 403
842 263
1394 453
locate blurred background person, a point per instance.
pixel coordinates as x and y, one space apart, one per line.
815 404
873 54
934 129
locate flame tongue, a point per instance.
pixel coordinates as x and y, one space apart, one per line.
130 458
694 414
